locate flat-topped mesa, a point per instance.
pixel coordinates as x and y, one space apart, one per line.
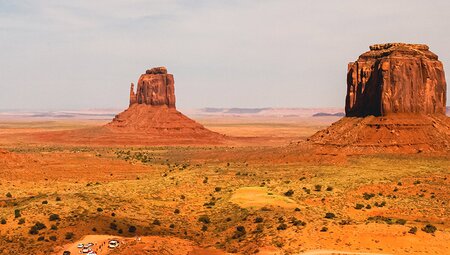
396 78
155 87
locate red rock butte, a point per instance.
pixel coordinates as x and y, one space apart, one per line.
155 87
152 113
396 78
151 119
396 102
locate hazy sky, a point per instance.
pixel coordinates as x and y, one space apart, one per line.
231 53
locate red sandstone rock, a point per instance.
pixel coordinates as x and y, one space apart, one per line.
133 99
152 118
155 87
396 97
396 78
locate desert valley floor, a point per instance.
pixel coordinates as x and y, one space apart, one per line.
260 193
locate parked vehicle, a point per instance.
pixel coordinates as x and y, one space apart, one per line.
86 250
66 253
113 244
80 246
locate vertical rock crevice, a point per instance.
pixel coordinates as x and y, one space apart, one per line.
396 78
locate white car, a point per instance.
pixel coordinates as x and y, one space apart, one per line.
86 250
113 244
92 253
80 246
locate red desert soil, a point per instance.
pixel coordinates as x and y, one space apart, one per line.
149 245
238 131
153 245
139 245
86 186
8 159
68 164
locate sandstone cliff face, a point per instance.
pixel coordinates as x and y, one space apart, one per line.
396 97
133 98
155 87
396 78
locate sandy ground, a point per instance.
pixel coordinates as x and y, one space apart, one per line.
335 252
149 244
255 131
100 244
161 245
255 198
258 197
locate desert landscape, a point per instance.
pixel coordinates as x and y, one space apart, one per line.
159 182
245 129
223 199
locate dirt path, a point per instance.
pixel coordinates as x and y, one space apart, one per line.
100 244
334 252
148 244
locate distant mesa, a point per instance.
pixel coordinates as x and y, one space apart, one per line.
396 102
326 114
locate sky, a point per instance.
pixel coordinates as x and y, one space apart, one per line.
58 54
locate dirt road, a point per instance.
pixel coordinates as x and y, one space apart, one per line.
100 244
334 252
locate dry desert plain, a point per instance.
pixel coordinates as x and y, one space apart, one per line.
264 192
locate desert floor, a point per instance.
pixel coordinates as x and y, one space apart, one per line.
259 194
